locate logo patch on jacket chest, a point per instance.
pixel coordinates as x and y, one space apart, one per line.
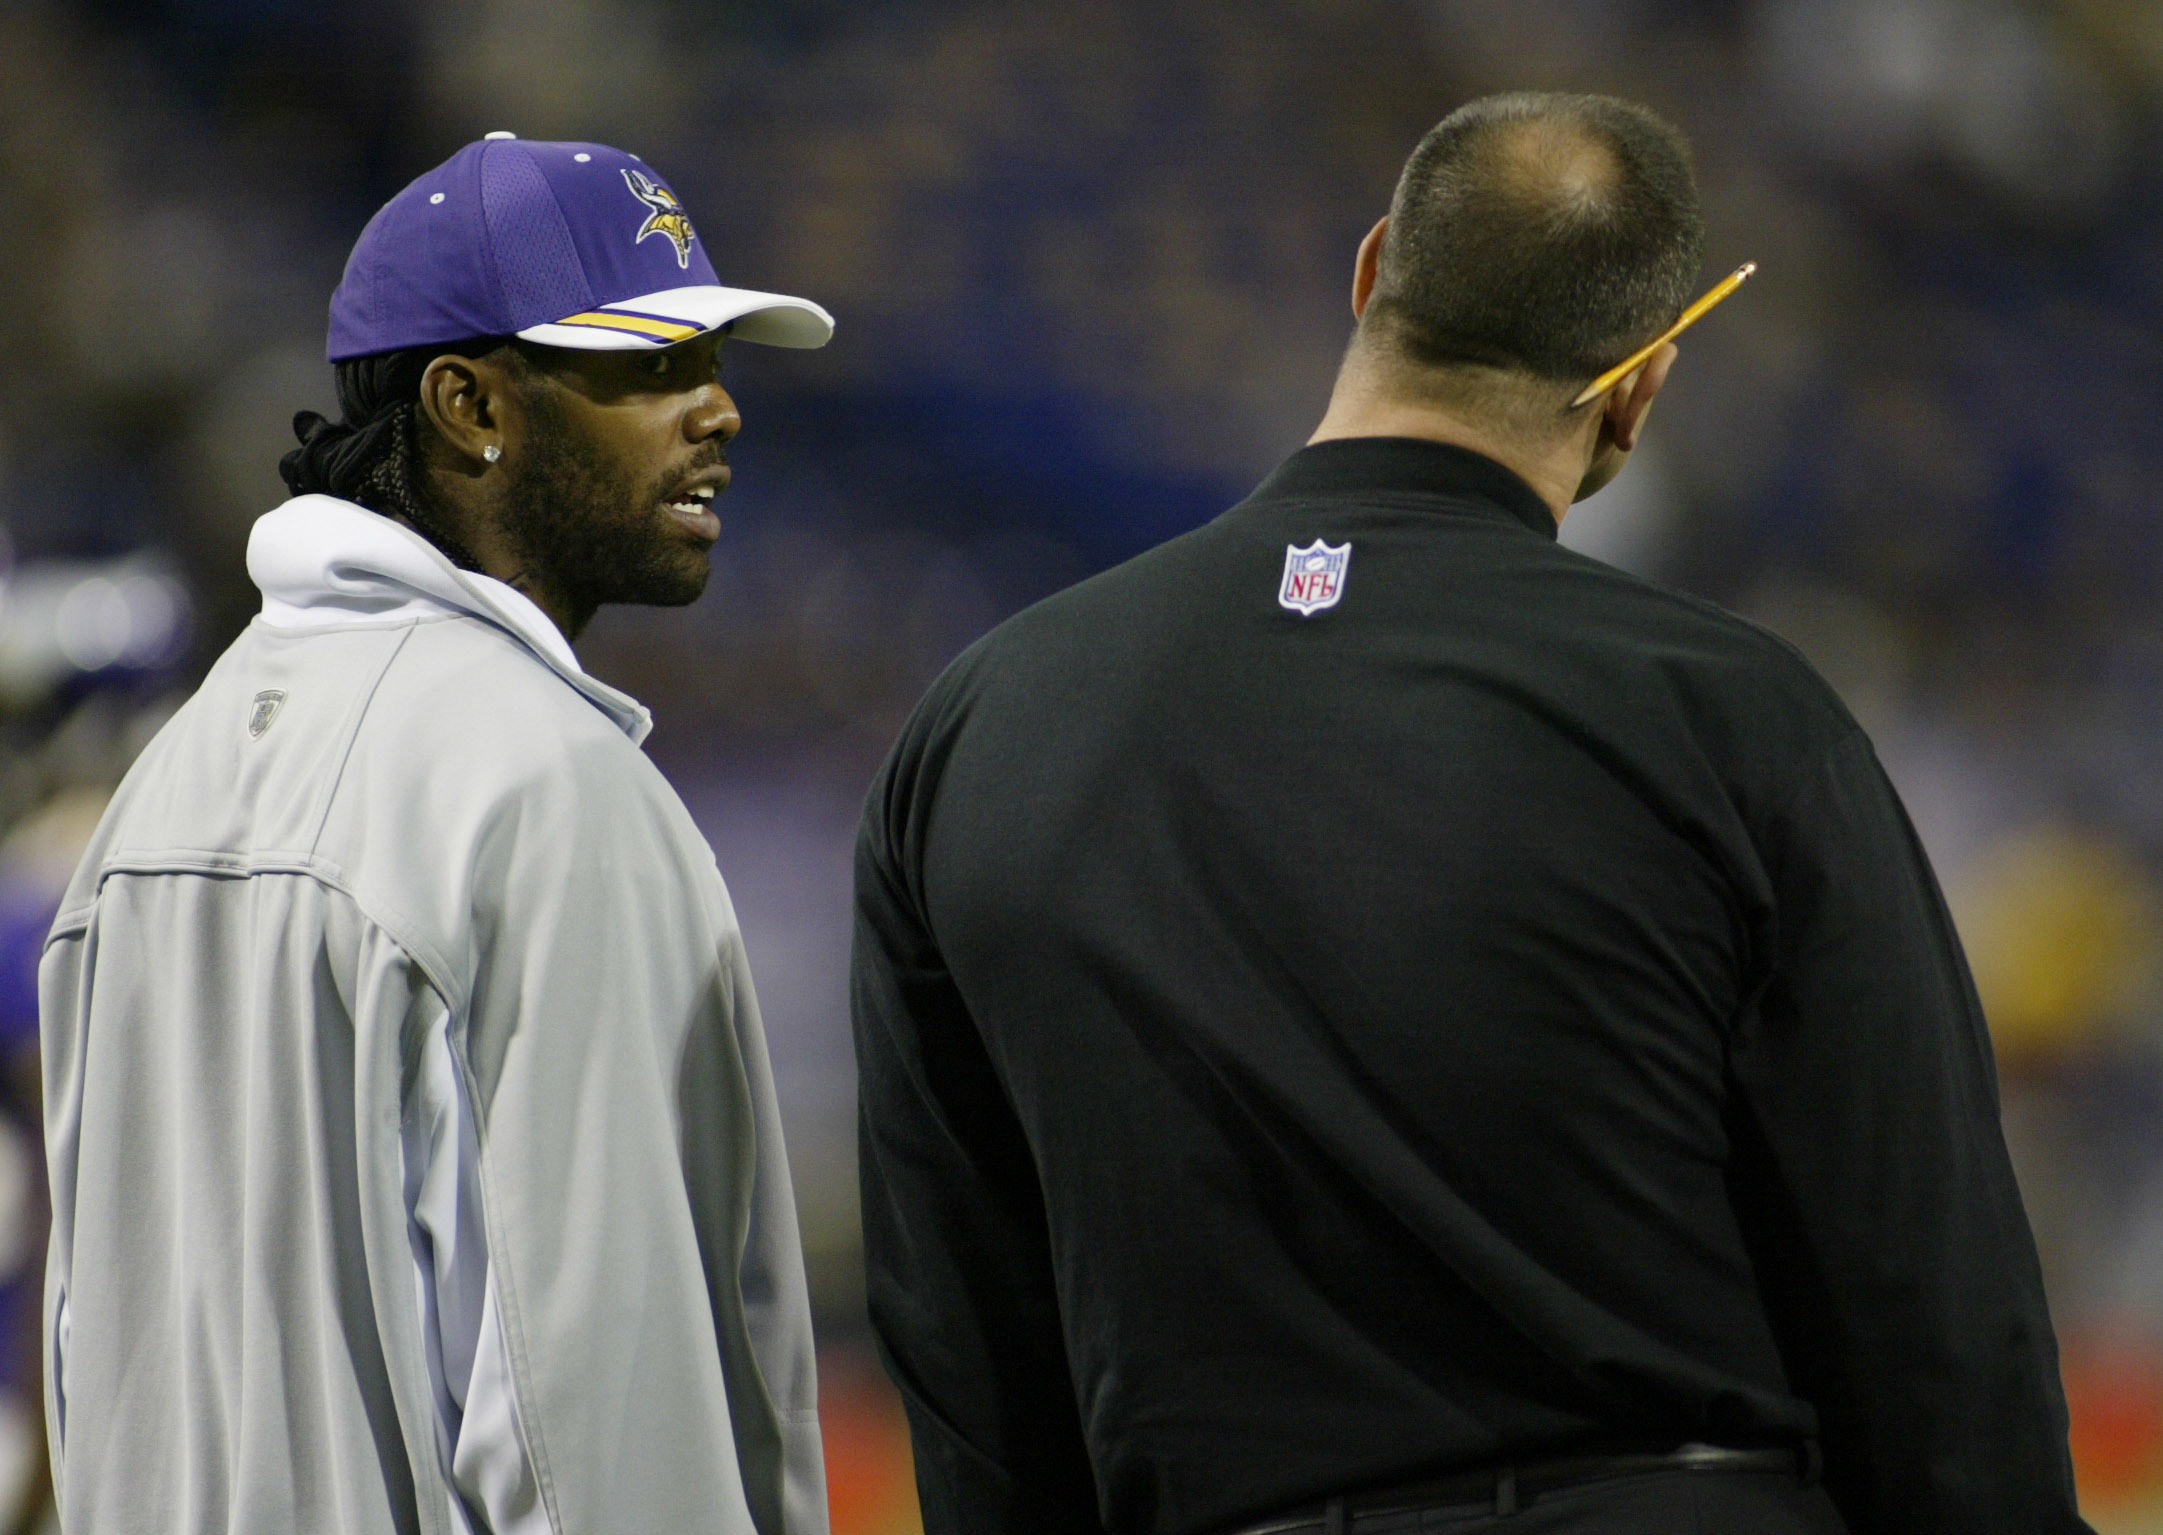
265 710
1314 576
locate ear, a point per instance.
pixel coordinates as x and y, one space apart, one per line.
1365 266
464 399
1629 401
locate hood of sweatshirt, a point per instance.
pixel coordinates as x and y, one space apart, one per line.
320 561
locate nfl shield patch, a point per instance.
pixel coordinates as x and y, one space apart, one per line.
1313 576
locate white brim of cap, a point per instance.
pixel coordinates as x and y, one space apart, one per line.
678 314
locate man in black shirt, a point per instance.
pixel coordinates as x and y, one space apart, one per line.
1362 1009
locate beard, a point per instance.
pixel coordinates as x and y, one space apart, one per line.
595 533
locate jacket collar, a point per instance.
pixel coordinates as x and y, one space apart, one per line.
321 561
1402 468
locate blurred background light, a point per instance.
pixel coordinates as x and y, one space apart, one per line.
62 619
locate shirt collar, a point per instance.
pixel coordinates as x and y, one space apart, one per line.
320 561
1401 467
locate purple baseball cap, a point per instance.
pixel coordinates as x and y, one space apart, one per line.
573 245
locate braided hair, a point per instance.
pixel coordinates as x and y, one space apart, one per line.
369 456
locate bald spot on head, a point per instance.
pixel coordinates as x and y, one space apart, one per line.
1534 241
1551 165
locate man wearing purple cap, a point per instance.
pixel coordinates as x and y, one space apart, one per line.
414 1153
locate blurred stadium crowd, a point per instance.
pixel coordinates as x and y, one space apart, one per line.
1090 265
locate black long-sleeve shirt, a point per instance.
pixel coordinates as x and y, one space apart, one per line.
1504 1013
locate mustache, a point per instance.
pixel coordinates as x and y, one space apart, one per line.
711 456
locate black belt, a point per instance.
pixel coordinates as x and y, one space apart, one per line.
1505 1487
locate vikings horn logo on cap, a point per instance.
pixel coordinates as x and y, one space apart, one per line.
667 217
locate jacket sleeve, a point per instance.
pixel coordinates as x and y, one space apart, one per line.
777 1301
649 1294
1873 1180
476 1424
958 1265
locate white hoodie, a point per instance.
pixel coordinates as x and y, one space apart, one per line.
414 1153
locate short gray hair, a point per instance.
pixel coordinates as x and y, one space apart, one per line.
1542 233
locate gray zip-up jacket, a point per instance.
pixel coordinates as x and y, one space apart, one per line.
414 1154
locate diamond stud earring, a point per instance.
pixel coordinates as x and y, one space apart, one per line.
491 453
